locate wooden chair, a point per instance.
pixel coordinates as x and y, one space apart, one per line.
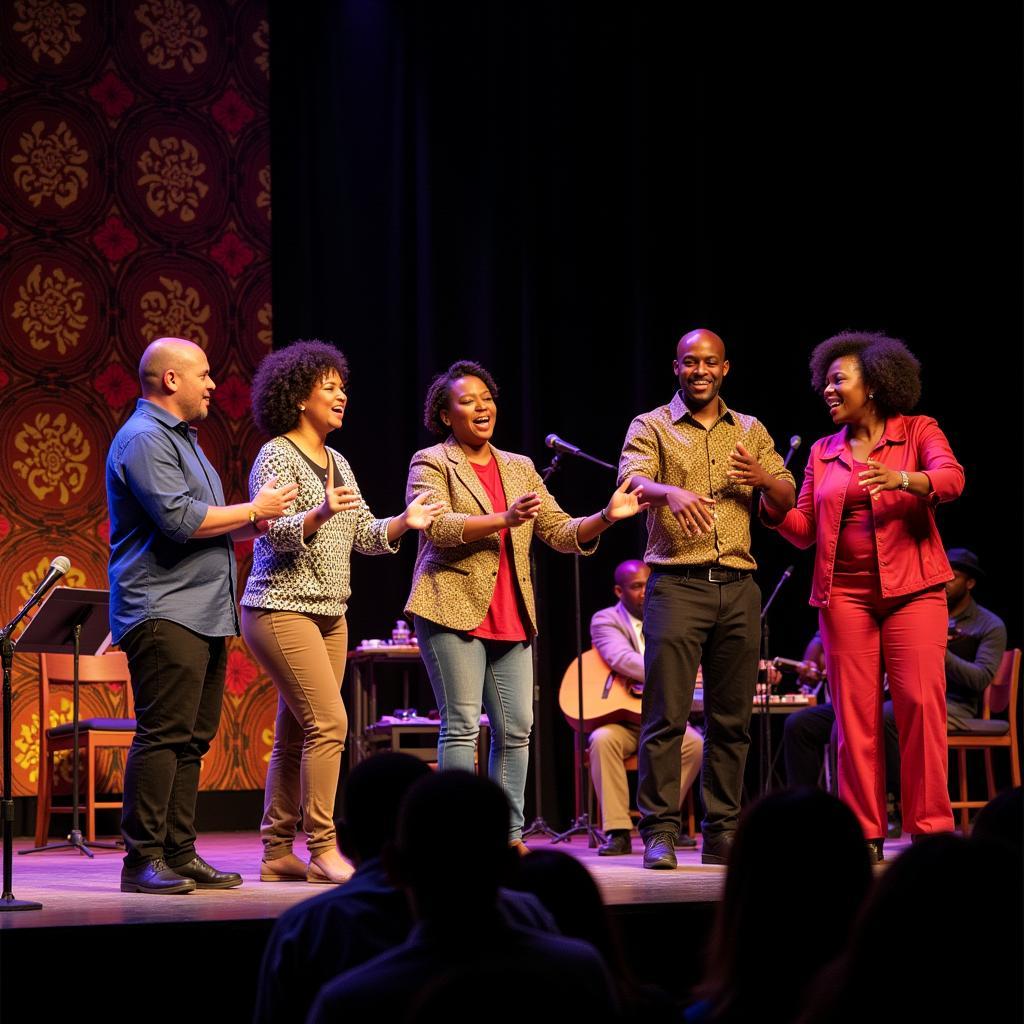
93 733
632 765
988 734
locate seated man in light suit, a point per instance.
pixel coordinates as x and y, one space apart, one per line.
617 635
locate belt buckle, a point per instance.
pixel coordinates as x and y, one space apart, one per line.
723 575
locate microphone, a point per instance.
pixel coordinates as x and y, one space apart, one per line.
794 442
554 441
58 568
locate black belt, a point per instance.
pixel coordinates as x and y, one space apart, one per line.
710 573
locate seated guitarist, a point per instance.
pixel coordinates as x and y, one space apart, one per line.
617 635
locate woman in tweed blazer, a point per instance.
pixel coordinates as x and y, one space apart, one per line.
472 595
293 609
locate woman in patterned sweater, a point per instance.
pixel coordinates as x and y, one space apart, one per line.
472 595
293 608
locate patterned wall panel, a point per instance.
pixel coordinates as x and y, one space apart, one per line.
134 203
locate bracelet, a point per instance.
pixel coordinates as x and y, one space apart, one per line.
252 516
604 515
905 478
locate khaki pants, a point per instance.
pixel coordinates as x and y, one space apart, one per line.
305 657
609 747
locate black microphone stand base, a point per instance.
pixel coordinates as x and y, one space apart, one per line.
8 903
74 842
539 827
582 827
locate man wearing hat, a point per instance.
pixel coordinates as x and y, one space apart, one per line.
977 640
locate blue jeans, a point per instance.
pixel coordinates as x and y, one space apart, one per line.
466 672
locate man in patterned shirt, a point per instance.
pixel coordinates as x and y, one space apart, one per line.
700 464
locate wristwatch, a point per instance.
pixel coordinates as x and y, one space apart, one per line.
905 478
252 516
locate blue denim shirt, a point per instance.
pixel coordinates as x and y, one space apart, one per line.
159 487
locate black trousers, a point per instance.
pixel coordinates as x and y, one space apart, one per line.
690 622
178 683
803 745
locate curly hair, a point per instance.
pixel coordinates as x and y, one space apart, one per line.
440 390
285 379
890 370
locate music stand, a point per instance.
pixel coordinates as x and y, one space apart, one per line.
69 619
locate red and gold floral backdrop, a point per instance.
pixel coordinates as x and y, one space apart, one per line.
134 203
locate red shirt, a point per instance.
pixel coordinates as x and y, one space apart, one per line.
909 549
502 621
855 550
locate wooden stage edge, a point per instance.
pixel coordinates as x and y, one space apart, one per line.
76 891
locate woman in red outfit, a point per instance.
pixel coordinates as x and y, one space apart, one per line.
867 501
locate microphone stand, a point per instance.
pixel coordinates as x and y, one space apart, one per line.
582 824
765 760
7 900
538 826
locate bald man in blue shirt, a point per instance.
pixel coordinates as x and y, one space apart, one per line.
172 606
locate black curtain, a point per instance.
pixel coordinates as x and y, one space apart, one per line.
560 190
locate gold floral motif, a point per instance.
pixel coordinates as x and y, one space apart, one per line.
27 744
56 454
263 197
175 312
266 317
48 27
172 33
171 171
50 166
268 741
50 309
261 37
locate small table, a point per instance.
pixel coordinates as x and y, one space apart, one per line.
363 687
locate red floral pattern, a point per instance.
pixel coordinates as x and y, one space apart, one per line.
113 96
115 240
241 673
133 267
233 396
232 254
116 385
232 113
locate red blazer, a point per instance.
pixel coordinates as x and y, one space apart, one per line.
909 549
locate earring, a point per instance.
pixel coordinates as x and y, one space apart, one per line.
302 408
871 395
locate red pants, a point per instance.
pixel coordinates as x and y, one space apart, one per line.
865 636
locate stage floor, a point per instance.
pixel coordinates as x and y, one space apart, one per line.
76 891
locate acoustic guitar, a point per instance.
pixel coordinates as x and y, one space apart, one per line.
607 697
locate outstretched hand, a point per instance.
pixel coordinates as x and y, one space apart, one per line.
624 502
877 478
271 501
745 469
523 509
338 499
694 513
421 511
